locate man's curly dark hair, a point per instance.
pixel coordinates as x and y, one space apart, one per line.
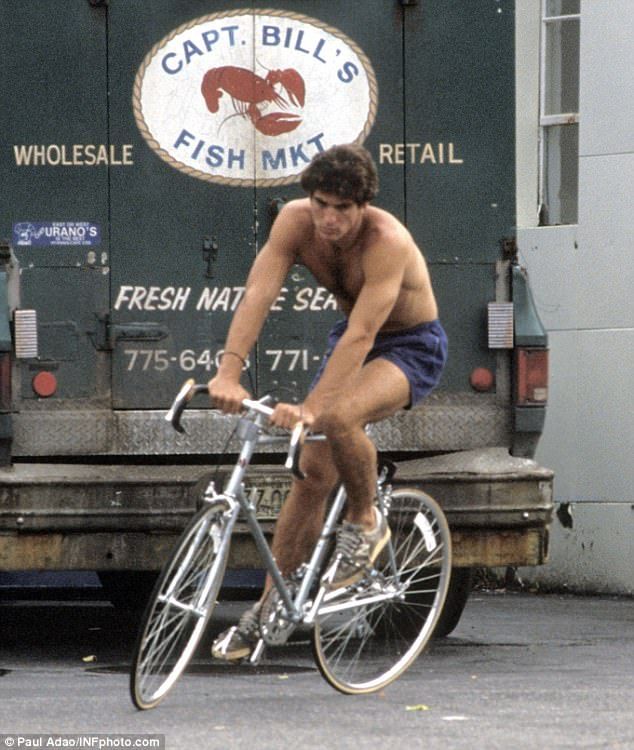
347 171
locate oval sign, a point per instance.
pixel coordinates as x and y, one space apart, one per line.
250 96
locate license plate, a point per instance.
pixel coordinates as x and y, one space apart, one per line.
268 496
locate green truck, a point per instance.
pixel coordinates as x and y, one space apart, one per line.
145 151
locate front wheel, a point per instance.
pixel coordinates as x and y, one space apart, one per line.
368 634
181 605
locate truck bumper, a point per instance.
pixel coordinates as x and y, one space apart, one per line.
87 517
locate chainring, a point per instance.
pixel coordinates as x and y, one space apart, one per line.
275 626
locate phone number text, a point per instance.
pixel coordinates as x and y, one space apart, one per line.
188 360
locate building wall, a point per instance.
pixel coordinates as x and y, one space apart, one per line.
583 282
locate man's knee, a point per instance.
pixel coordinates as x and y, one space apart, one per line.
338 422
319 471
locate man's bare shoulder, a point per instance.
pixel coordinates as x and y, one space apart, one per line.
292 226
296 211
386 231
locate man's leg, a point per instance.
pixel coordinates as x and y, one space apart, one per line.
302 515
381 390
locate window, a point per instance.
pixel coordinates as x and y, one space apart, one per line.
559 112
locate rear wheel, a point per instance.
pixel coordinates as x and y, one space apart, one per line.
180 606
367 635
458 593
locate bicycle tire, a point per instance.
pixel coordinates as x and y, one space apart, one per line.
180 606
364 648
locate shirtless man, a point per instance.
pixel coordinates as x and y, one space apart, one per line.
386 355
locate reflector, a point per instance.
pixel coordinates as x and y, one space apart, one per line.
531 376
44 384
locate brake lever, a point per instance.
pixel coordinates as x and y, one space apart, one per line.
294 451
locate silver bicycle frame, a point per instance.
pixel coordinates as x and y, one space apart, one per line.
251 433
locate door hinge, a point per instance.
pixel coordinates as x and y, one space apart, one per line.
509 248
99 334
5 254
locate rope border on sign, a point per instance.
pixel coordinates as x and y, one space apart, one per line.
234 181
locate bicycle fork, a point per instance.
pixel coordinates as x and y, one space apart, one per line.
198 607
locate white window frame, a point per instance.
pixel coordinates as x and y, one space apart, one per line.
547 121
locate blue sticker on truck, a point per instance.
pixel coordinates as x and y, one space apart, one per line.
56 233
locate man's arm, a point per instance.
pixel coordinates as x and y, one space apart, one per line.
263 286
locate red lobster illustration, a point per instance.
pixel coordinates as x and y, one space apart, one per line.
249 91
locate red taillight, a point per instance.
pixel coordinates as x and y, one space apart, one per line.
531 377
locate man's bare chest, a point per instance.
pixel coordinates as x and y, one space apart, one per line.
340 272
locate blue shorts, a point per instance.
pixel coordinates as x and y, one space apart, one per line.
420 352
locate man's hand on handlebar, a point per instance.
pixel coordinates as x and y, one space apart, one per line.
288 415
226 394
232 398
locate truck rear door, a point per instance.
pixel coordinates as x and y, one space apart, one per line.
459 162
182 241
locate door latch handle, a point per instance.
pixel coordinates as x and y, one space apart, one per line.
210 255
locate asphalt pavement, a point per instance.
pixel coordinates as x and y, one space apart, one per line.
520 672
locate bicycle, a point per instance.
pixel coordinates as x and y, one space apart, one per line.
364 636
